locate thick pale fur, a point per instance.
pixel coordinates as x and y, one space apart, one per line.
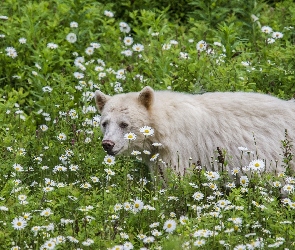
193 126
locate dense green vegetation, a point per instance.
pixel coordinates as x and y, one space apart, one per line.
58 190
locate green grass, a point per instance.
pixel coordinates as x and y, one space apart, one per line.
54 178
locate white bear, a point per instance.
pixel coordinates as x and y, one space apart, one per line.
191 127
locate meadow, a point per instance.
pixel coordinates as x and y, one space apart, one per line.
60 190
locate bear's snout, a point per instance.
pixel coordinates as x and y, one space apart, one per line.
108 146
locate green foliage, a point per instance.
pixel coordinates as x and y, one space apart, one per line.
50 150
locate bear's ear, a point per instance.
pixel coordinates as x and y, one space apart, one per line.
146 96
100 99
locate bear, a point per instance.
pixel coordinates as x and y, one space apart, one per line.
191 127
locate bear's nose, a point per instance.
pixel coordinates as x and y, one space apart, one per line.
108 145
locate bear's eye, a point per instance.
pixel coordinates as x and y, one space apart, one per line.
123 125
104 124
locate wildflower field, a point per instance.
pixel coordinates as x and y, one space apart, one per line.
60 190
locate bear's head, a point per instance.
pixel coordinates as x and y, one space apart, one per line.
122 114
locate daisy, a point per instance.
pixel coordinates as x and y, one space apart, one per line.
22 197
61 137
166 46
11 52
124 235
292 205
19 223
46 212
72 239
270 40
183 220
213 186
73 168
127 52
128 246
257 165
199 242
277 35
198 196
79 60
240 247
154 157
74 25
99 68
130 136
15 248
157 144
118 247
149 239
183 55
52 46
277 184
108 13
212 176
223 203
201 45
135 152
138 47
146 130
85 185
71 37
95 45
266 29
50 245
47 89
138 205
155 224
94 179
109 172
127 206
141 236
89 50
281 174
128 40
231 185
174 42
109 160
78 75
35 229
235 171
124 27
156 233
121 72
169 226
101 75
218 44
118 207
244 181
288 188
18 167
22 40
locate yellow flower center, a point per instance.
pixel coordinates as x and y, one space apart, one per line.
257 164
136 205
169 225
130 136
109 160
19 223
146 131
